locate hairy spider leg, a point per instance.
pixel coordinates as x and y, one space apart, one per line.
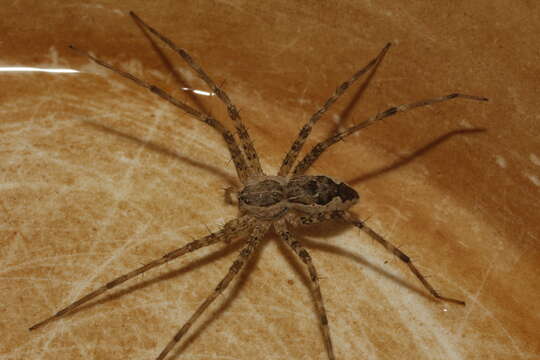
306 220
311 219
348 217
254 240
281 229
298 143
229 230
237 156
318 149
247 144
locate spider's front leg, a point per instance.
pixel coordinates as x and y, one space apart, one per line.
251 155
291 156
398 253
242 169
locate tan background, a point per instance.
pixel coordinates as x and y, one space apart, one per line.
98 177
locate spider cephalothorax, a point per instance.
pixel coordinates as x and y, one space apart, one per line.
315 194
270 202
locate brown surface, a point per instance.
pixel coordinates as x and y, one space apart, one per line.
98 177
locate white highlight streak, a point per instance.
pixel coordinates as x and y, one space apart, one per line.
199 92
34 69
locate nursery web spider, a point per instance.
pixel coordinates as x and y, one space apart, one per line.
288 199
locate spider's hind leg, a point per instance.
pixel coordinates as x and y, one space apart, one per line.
229 230
283 232
243 257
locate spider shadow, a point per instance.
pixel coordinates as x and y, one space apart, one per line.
169 66
155 147
194 99
329 230
324 231
356 97
415 154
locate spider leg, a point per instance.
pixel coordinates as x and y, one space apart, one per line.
318 149
236 153
291 156
242 258
245 139
281 229
230 229
311 219
399 254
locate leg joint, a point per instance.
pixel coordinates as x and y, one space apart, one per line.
401 255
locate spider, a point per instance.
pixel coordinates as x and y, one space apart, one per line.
288 199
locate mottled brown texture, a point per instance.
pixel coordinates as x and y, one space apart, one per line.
98 178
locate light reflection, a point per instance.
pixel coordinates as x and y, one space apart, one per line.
34 69
199 92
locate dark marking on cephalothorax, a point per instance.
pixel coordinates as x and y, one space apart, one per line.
307 190
346 193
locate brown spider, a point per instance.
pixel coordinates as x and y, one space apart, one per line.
288 199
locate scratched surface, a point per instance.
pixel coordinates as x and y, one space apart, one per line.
98 177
